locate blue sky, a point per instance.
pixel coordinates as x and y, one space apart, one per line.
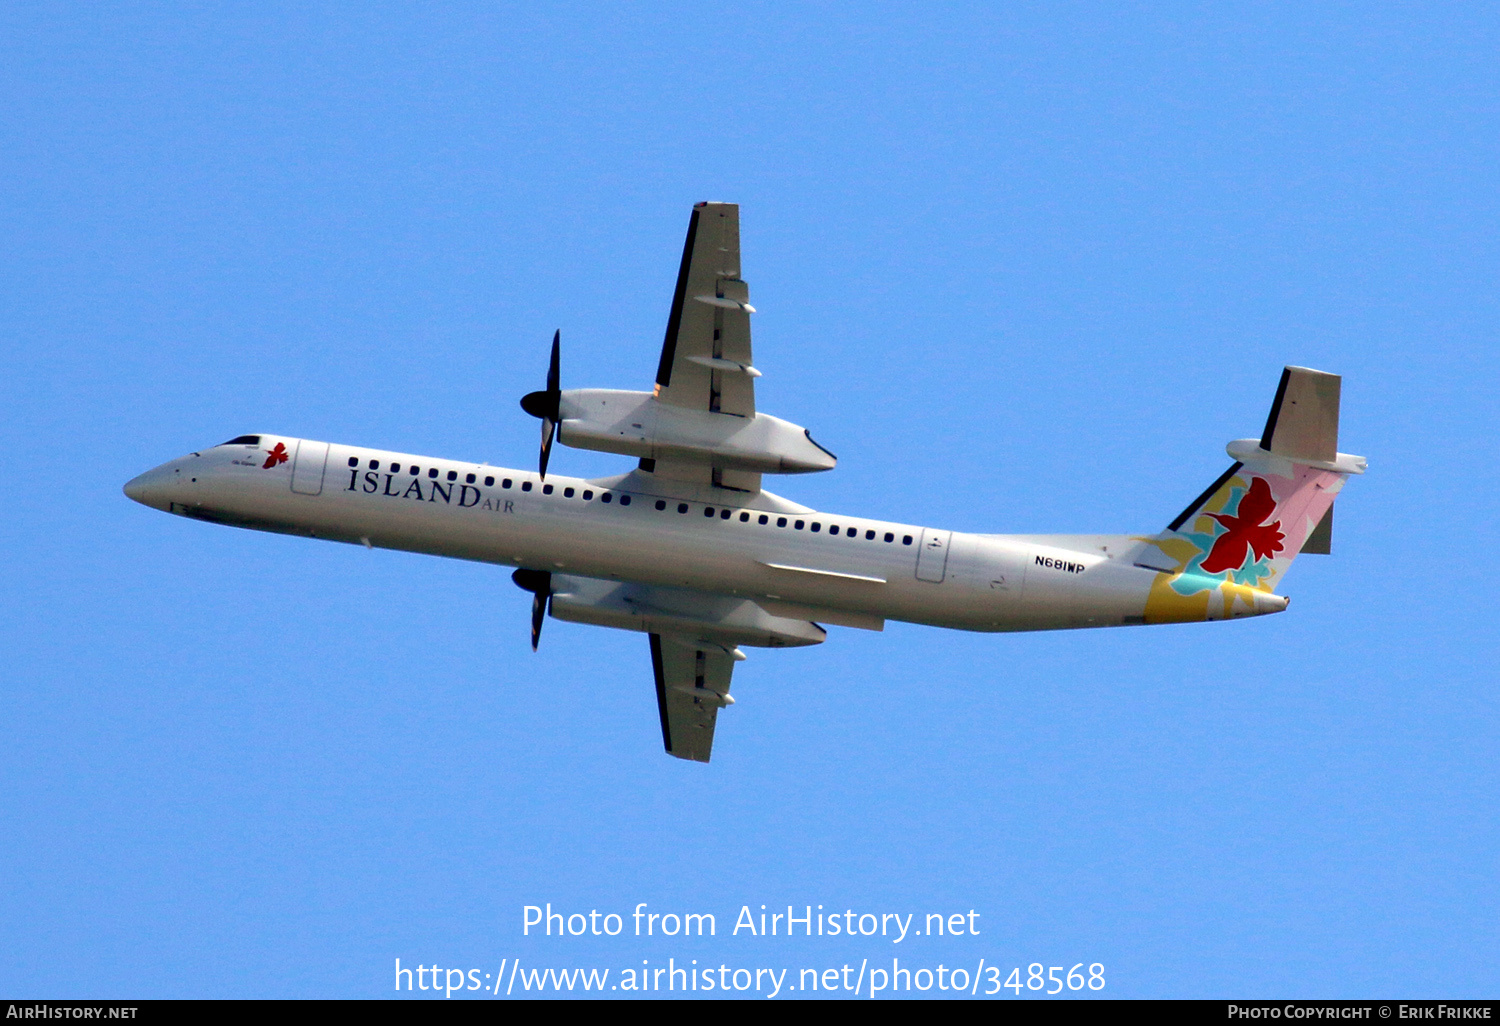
1023 269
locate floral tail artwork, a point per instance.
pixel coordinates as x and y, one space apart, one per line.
1231 547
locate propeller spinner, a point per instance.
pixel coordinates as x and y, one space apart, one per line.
545 405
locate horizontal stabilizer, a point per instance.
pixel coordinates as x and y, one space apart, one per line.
1304 419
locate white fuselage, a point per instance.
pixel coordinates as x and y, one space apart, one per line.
634 527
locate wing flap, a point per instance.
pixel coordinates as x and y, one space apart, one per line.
705 356
692 685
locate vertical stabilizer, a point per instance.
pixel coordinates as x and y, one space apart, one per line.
1274 502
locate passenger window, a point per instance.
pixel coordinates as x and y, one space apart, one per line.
505 483
567 493
395 468
415 470
906 540
489 482
800 524
763 519
453 476
781 521
606 497
468 479
433 473
374 464
725 514
588 493
546 489
708 511
682 507
525 486
661 503
889 536
869 536
353 461
744 518
816 527
833 528
624 500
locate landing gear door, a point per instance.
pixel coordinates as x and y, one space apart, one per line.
307 471
932 557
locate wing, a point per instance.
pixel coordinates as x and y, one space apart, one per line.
694 644
692 684
705 356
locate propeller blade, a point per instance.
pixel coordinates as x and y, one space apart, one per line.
554 378
538 614
549 430
539 583
546 405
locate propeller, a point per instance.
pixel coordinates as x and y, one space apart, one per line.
545 405
539 583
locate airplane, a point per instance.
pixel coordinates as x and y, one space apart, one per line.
688 548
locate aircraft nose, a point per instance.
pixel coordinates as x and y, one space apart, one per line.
149 489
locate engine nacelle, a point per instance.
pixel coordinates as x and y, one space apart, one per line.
720 619
637 424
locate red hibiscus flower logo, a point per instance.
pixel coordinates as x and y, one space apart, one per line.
1246 531
275 456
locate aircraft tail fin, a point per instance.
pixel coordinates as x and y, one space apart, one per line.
1276 500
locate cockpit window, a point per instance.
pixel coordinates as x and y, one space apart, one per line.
244 440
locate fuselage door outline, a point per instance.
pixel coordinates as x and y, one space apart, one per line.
308 467
932 557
